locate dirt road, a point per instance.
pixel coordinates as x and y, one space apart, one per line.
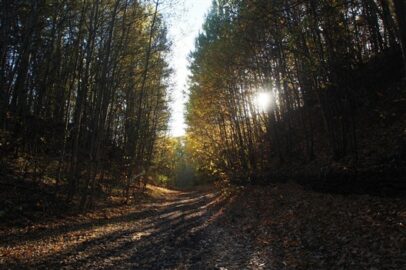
167 234
280 227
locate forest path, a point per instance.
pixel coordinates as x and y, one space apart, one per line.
165 234
277 227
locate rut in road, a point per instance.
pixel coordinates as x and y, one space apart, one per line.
162 235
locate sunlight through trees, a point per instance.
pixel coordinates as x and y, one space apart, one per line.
306 66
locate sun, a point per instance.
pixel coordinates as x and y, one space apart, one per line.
262 101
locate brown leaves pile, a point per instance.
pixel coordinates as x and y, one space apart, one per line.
294 228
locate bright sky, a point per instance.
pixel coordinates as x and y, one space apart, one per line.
184 23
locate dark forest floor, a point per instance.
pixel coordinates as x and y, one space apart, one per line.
277 227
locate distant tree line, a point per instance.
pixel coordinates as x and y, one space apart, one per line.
174 167
315 58
83 83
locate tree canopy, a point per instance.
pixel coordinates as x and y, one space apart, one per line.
313 60
85 82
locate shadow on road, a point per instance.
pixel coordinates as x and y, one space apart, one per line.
158 237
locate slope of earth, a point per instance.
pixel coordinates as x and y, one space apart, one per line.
278 227
287 227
